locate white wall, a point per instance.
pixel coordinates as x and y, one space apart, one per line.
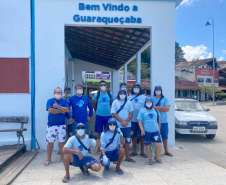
15 43
52 16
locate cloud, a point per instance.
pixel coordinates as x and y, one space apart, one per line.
187 2
221 59
196 52
224 52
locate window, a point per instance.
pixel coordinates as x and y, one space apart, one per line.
209 80
200 80
216 81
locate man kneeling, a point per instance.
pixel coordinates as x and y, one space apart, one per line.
111 139
76 152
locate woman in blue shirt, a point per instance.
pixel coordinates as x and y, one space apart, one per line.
149 123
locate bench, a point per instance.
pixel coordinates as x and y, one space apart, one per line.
15 119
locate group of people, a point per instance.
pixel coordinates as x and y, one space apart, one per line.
120 119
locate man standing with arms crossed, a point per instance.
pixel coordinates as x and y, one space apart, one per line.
102 101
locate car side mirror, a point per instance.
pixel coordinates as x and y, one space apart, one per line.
207 109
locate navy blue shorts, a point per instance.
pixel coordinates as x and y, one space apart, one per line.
164 131
85 161
152 137
135 130
111 155
101 121
126 132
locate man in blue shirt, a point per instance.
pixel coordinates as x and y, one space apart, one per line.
138 100
161 103
102 101
76 152
149 122
110 140
79 104
57 107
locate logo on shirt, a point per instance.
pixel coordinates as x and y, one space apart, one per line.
104 99
136 100
150 115
80 148
156 138
80 103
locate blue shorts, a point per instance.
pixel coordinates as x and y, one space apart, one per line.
126 132
101 121
152 137
74 127
85 161
135 130
111 155
164 131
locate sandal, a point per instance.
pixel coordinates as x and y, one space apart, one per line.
65 179
47 163
169 154
158 160
106 169
150 163
144 155
130 160
120 172
132 154
86 173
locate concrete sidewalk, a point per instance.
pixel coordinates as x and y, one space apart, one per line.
183 169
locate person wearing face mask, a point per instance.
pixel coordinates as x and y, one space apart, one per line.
138 100
161 103
57 107
102 101
123 86
122 111
79 104
110 140
149 123
76 152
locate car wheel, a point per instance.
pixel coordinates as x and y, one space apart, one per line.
210 136
176 134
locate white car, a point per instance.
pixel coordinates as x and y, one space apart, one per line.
192 118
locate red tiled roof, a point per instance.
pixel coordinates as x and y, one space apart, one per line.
188 87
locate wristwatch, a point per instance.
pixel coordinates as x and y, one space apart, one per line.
58 106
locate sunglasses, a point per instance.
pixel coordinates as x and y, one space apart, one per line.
112 124
80 128
102 85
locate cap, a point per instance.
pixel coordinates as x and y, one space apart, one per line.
80 124
112 120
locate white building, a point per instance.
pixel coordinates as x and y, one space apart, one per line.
57 40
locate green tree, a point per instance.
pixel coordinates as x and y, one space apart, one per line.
179 54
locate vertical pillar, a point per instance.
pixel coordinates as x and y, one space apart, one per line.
125 73
115 81
138 71
73 77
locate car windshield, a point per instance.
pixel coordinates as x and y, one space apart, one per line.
188 106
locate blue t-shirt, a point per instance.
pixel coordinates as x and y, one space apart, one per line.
164 102
79 108
124 113
103 105
105 138
138 103
74 144
149 120
56 119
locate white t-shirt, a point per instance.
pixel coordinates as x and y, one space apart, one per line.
124 113
138 104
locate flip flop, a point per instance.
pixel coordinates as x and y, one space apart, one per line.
66 179
132 154
106 169
150 163
130 160
86 173
169 154
47 163
120 172
158 160
144 155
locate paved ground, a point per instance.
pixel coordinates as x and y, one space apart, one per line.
214 150
196 160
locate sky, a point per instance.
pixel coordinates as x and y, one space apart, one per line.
196 39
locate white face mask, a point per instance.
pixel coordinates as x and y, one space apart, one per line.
149 105
103 88
81 132
136 90
112 127
68 95
122 96
158 93
79 91
57 96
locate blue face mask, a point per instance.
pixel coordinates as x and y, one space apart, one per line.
81 132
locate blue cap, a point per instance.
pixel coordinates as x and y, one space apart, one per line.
80 124
148 99
123 83
112 120
158 87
